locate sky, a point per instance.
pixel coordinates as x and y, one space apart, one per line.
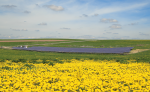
75 19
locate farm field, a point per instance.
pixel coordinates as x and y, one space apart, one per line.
29 55
32 71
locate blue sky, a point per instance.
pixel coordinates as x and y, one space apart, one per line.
76 19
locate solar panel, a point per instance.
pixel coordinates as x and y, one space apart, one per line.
78 50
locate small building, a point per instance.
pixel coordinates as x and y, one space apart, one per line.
25 46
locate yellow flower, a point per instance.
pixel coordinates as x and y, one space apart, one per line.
76 75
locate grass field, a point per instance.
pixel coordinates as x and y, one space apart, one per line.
29 55
137 44
31 71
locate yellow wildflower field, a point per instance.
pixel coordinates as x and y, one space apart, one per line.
76 76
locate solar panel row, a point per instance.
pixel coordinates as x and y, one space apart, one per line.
78 50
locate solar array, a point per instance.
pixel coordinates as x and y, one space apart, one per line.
78 50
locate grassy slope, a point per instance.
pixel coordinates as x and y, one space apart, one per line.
30 43
137 44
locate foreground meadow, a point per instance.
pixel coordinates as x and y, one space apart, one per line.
75 76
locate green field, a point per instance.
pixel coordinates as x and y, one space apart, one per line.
52 71
33 55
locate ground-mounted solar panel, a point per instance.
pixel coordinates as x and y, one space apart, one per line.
78 50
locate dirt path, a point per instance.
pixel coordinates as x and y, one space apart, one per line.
137 51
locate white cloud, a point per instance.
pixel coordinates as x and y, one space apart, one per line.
8 6
42 24
115 26
140 33
37 5
24 30
54 7
115 33
103 20
19 29
30 15
96 14
85 15
108 32
118 8
16 29
66 28
27 12
108 20
133 23
112 20
37 30
11 37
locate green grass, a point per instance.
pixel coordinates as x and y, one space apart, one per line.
33 55
137 44
30 43
18 54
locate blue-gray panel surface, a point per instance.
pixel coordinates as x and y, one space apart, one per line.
78 50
